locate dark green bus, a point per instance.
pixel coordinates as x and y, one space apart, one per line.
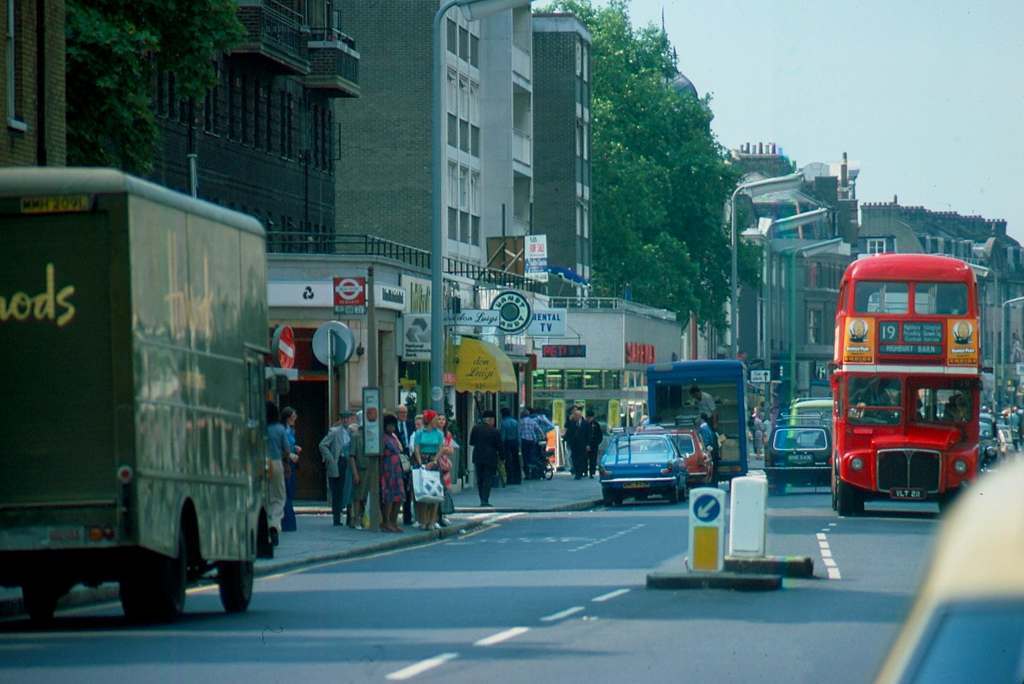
133 321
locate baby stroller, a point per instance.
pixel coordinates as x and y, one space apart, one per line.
538 464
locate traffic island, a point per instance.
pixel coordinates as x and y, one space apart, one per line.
785 566
738 581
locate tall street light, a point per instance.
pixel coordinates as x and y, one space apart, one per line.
1001 365
474 10
752 189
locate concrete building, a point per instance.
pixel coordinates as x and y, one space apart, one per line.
562 178
263 137
33 132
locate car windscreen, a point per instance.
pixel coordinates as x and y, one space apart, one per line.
684 443
804 439
980 642
638 450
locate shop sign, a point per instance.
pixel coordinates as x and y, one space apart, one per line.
547 323
416 337
514 312
476 318
564 351
417 292
537 257
639 352
300 293
389 297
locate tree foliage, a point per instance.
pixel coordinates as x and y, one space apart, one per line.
660 178
114 49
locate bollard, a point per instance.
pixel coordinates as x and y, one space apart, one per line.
748 517
707 529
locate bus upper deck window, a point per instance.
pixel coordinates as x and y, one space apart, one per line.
880 297
940 299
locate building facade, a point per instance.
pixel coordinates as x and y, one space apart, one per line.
32 83
562 166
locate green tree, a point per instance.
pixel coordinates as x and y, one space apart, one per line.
660 178
114 49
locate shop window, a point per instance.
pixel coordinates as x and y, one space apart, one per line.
573 379
592 379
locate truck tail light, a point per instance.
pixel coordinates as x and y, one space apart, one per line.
125 474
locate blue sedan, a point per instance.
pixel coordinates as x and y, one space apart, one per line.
638 466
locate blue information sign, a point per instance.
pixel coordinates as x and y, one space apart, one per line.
707 508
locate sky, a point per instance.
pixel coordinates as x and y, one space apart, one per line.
926 96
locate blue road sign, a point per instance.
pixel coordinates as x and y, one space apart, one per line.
707 508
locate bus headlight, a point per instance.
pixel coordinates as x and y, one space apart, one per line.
960 466
857 463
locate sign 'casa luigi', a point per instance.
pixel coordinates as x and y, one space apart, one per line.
514 312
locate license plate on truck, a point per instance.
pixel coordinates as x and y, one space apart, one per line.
912 494
635 485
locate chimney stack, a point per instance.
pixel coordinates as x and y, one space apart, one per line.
843 173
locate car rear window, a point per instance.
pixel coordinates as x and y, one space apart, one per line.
684 443
638 450
800 438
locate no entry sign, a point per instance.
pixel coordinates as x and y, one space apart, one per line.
349 291
283 346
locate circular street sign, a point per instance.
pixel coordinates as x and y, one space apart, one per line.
349 289
706 508
344 342
514 312
283 346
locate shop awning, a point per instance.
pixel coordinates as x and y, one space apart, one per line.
482 367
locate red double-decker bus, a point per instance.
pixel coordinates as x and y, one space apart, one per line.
907 381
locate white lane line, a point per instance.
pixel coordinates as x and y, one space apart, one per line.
821 536
833 573
421 667
832 524
606 539
829 562
501 636
562 614
826 553
610 595
823 544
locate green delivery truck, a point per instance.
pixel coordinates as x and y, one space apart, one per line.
133 324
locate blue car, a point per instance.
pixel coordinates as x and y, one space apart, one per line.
641 465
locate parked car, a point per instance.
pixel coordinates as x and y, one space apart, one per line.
700 468
640 465
967 622
818 411
798 455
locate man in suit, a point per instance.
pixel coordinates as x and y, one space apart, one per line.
406 426
486 442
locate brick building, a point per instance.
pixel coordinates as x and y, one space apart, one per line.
264 136
32 83
562 135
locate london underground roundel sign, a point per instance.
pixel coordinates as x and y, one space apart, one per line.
514 312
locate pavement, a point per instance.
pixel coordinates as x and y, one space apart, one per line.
317 540
542 597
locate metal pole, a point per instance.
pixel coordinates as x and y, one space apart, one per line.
436 237
330 378
734 288
372 352
193 174
1000 367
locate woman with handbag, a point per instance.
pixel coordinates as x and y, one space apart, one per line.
392 487
445 459
429 441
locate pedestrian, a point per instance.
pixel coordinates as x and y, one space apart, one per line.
1014 420
758 423
392 488
277 453
334 450
705 405
596 434
360 480
445 460
428 442
487 445
577 439
510 446
709 438
527 442
289 417
406 428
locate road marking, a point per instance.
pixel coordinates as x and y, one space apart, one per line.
826 553
562 614
832 524
610 595
833 573
421 667
821 536
501 636
607 539
829 562
823 544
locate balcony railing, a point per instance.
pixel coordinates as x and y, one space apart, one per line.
295 242
274 32
610 304
522 147
334 63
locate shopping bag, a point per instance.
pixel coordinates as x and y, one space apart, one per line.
426 486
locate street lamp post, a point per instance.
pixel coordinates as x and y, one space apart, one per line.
753 189
1001 365
474 9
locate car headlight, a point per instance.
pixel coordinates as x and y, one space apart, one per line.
960 466
857 463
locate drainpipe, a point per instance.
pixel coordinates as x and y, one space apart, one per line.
40 83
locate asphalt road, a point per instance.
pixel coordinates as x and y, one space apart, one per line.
534 598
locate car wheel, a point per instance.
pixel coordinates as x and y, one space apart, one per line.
234 578
40 600
606 497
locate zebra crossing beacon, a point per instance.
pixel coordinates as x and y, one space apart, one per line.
906 381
